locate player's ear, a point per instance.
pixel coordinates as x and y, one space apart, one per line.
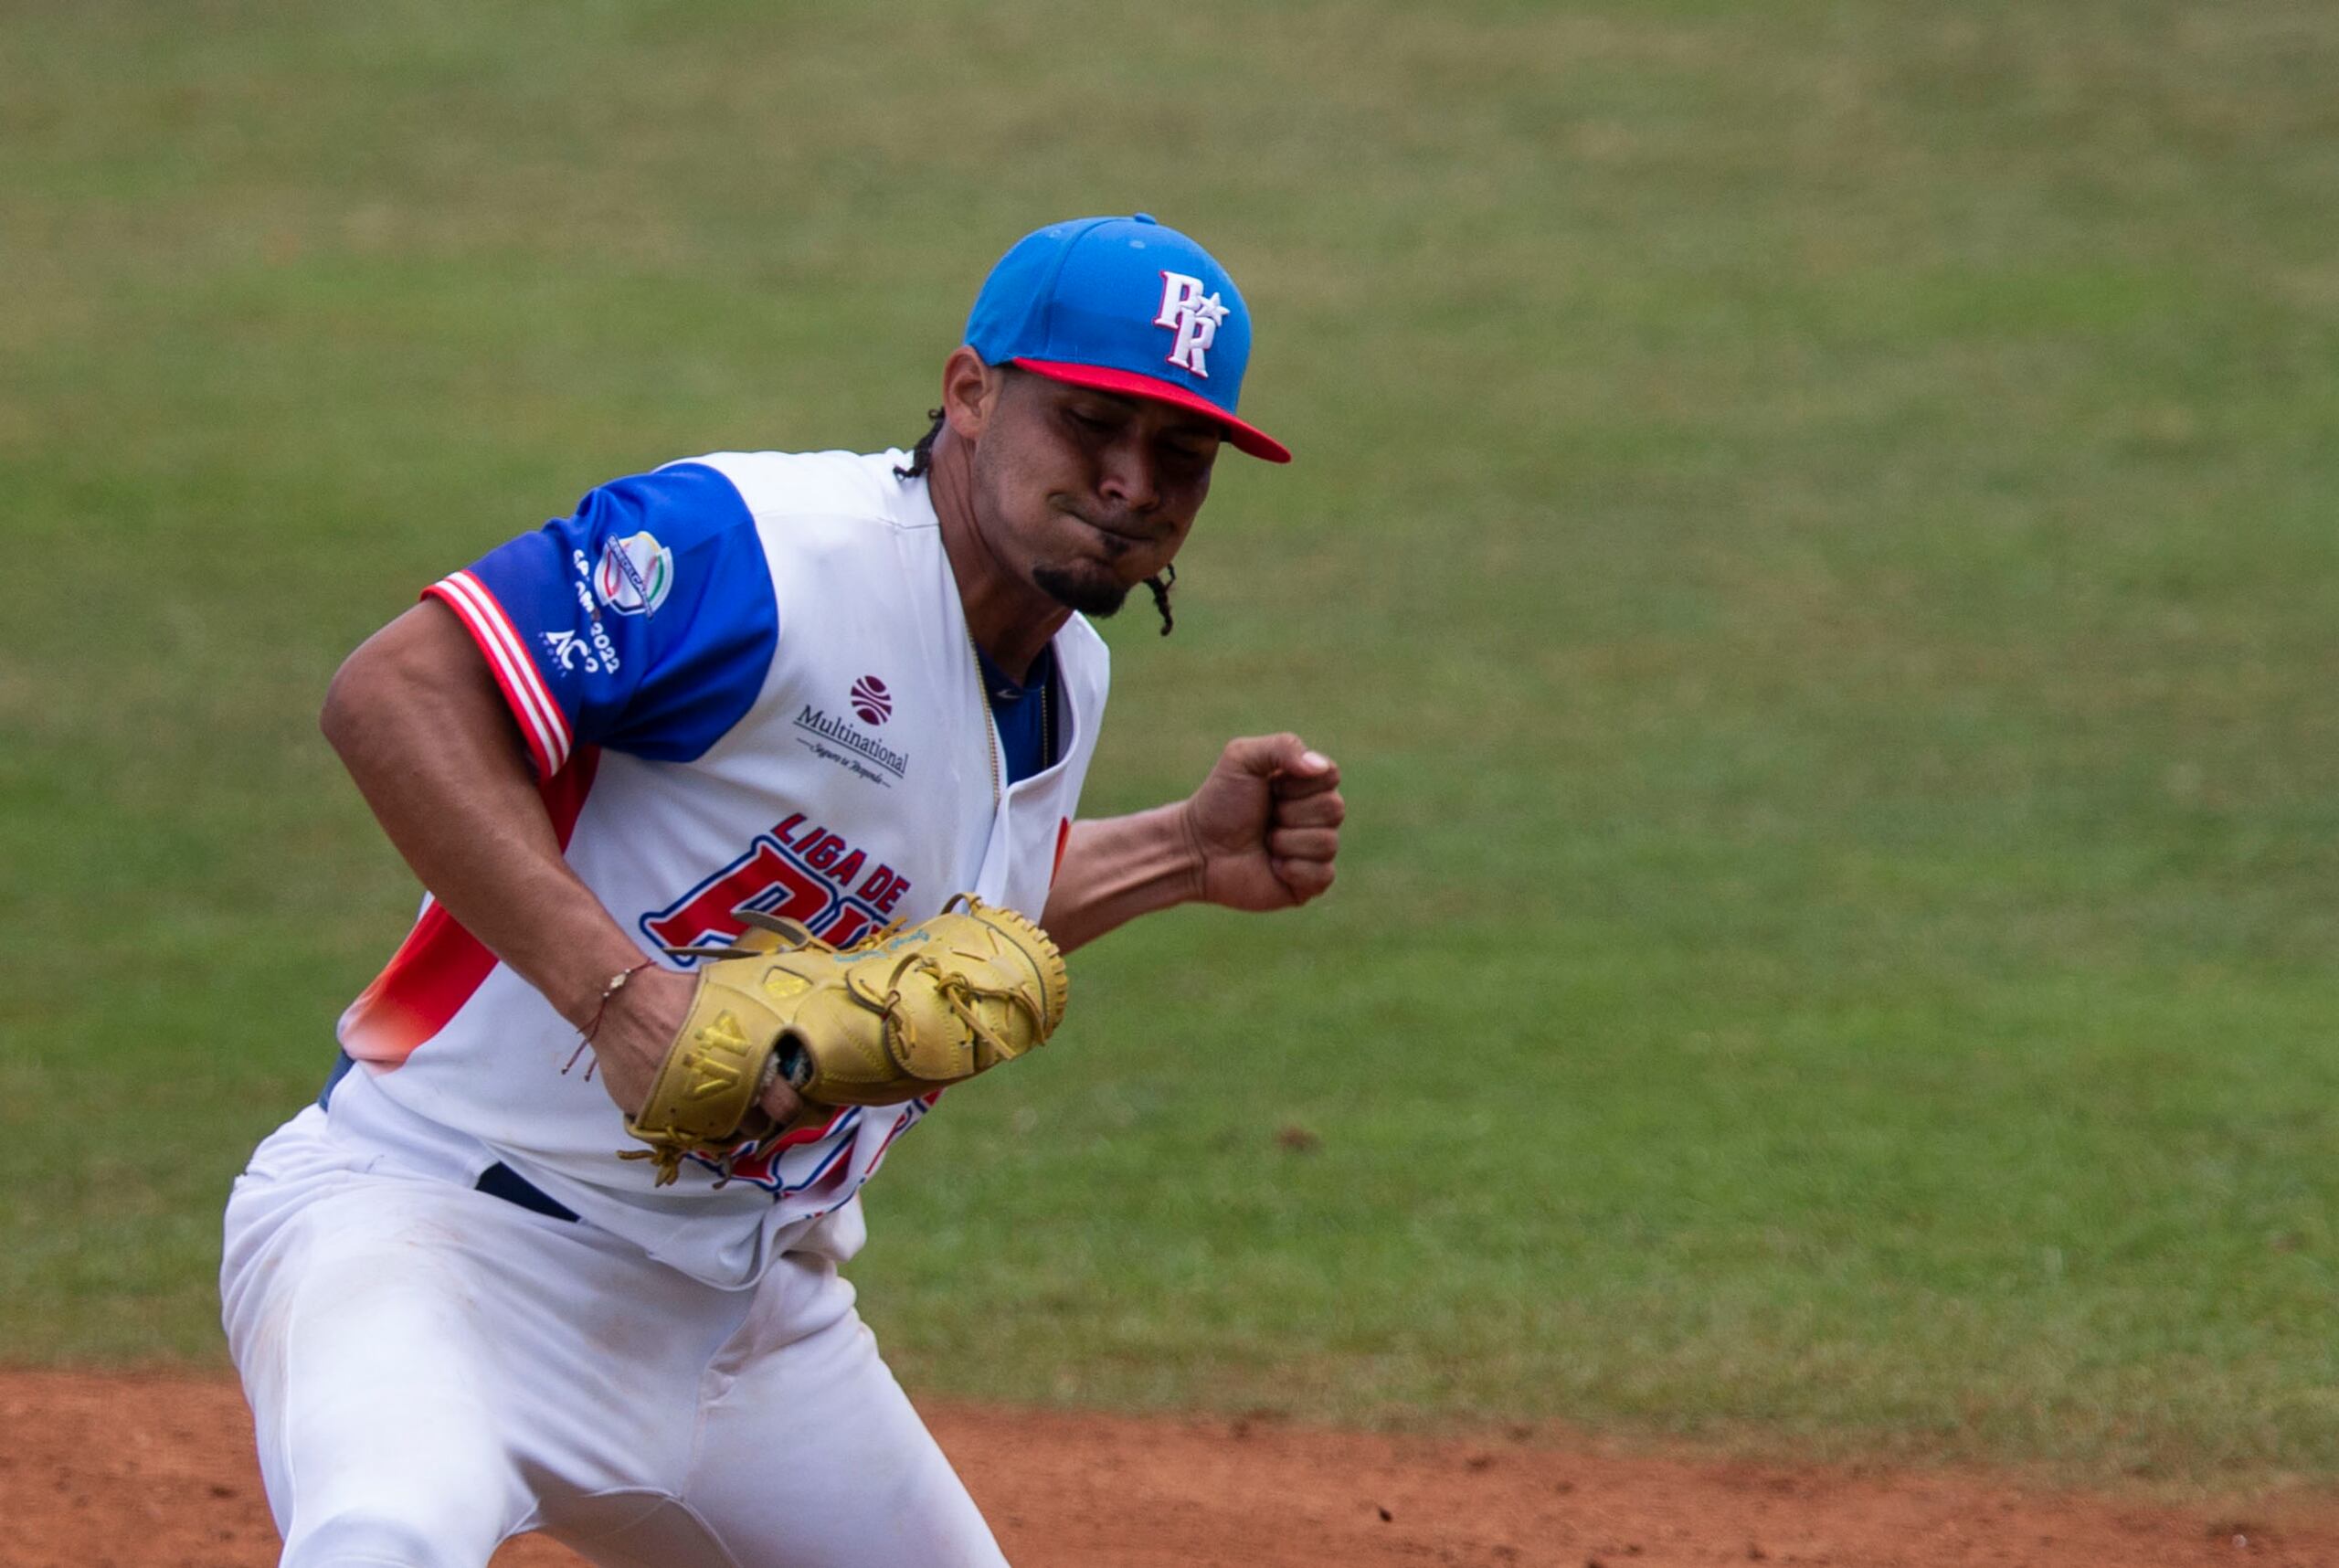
969 392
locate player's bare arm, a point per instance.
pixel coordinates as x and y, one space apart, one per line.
1261 833
417 719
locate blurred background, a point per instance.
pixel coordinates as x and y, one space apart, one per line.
1812 543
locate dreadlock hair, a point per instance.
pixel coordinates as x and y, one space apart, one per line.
1159 584
922 454
922 461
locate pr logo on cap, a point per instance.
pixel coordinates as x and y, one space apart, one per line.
1193 315
1125 305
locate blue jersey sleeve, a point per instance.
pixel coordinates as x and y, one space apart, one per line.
645 622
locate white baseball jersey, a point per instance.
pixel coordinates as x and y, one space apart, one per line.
746 682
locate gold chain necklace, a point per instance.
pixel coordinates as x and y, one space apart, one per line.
990 727
991 724
1047 722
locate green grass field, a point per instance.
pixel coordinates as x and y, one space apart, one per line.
1813 541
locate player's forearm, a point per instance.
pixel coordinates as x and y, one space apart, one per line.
1117 868
418 723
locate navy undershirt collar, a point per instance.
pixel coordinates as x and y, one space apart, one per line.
1020 711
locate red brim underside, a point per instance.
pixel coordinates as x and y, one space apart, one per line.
1246 438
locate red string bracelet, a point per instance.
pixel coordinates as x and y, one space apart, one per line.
593 1027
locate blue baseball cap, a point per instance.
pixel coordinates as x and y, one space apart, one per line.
1127 305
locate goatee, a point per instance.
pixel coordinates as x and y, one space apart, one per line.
1099 595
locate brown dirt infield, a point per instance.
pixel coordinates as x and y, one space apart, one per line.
156 1471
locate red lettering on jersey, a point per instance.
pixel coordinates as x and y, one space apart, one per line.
884 888
766 880
785 873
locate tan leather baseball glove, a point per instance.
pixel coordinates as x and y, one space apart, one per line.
903 1011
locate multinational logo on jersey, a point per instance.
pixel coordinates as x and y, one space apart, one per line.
834 738
1193 315
635 574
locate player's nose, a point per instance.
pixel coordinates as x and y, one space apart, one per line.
1128 477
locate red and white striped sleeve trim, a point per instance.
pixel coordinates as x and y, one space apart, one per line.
541 723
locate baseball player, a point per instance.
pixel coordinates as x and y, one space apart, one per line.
820 692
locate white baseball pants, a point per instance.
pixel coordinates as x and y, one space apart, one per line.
432 1369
